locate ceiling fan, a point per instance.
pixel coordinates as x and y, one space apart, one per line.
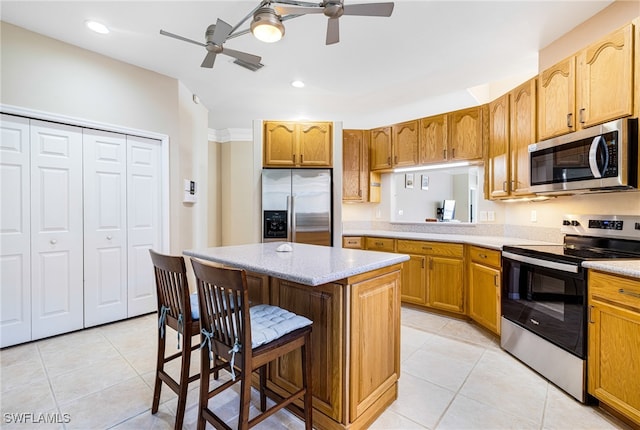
334 9
215 37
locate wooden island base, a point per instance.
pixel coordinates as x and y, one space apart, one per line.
355 344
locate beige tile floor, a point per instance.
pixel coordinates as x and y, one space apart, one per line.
454 376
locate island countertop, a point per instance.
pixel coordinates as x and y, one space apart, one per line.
306 264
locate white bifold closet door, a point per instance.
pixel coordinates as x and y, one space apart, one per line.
105 227
15 231
56 229
144 221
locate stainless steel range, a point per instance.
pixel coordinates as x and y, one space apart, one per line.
544 295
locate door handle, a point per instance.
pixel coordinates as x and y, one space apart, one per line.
629 293
569 120
581 117
591 321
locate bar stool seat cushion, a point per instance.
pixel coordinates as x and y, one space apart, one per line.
195 311
271 322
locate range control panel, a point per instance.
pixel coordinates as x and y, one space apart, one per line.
606 224
621 226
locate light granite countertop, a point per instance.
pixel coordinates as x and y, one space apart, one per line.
620 267
305 264
492 242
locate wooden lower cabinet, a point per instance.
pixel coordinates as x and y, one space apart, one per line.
355 346
485 280
434 276
614 343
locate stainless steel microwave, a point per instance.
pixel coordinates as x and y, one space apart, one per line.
595 159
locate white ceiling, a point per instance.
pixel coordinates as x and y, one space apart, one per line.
420 61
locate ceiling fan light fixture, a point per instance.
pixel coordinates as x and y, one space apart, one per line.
266 25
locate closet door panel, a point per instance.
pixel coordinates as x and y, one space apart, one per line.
105 229
15 237
56 228
143 221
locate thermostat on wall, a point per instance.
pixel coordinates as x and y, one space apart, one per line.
189 192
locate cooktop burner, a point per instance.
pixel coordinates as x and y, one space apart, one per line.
590 237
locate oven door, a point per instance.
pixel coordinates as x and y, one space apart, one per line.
547 298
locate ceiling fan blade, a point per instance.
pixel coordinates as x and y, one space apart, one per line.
333 31
297 10
184 39
221 32
209 60
243 56
369 9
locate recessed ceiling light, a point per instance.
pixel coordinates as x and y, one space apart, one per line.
97 27
297 84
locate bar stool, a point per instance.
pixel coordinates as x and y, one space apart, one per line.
178 309
228 326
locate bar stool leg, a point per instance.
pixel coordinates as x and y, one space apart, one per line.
157 388
306 382
184 381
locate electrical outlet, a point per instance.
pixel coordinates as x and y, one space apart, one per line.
534 216
378 213
491 215
483 215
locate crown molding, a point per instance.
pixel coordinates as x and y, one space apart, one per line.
230 135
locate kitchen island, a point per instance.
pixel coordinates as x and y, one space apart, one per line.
353 299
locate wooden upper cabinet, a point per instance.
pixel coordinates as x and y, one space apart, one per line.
465 134
522 133
498 154
294 144
315 144
605 78
380 149
594 86
557 99
404 144
280 146
433 139
355 165
636 92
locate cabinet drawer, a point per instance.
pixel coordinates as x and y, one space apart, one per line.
354 242
430 248
488 257
380 244
617 290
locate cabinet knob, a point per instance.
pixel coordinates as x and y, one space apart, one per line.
453 152
569 120
581 118
427 248
109 237
53 241
301 158
482 255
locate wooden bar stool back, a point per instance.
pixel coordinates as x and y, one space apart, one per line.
246 339
178 309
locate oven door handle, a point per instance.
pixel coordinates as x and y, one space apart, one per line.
564 267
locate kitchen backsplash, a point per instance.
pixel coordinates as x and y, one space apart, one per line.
547 234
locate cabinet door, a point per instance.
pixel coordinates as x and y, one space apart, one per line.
56 229
280 144
405 144
556 103
465 134
314 144
523 132
374 363
105 227
380 150
15 232
614 342
605 79
352 165
446 284
414 286
433 139
484 296
144 222
498 160
322 303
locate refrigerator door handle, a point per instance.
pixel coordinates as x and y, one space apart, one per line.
293 218
289 217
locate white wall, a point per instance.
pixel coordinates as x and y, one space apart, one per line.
49 76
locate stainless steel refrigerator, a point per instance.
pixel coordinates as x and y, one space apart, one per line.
296 206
